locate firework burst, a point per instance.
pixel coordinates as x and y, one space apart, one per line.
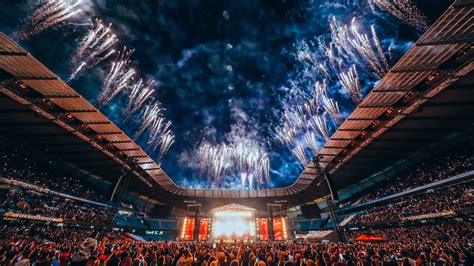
300 154
118 78
151 113
311 139
95 47
166 140
329 105
246 158
214 160
319 124
48 15
353 46
403 10
350 83
139 94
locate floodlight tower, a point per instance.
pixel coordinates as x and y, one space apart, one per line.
321 172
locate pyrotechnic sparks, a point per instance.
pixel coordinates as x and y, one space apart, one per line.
160 134
352 45
48 15
95 47
300 154
319 124
331 106
246 157
350 82
118 78
214 160
166 140
251 158
311 139
379 48
404 10
151 113
138 95
157 127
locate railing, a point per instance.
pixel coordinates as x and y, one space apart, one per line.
448 181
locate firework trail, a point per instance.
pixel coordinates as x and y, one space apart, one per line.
166 140
118 78
379 48
318 124
95 47
245 157
350 82
353 45
403 10
243 179
251 158
300 154
329 105
341 39
285 134
311 139
151 113
48 15
138 95
362 44
156 128
214 159
159 132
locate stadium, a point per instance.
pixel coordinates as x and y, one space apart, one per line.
360 153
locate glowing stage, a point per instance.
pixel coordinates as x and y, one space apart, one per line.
233 222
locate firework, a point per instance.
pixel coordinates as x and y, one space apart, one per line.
350 82
118 78
353 46
150 115
341 39
78 70
166 140
318 124
311 140
214 159
300 154
404 10
156 128
363 46
48 15
330 106
95 47
379 48
245 157
251 158
285 135
138 95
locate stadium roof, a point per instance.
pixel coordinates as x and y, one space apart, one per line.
425 96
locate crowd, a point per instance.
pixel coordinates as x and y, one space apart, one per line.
448 242
458 160
19 165
23 201
450 198
440 244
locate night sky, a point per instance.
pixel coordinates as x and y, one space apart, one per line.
223 68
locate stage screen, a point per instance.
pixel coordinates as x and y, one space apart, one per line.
263 233
187 231
230 225
279 228
204 229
